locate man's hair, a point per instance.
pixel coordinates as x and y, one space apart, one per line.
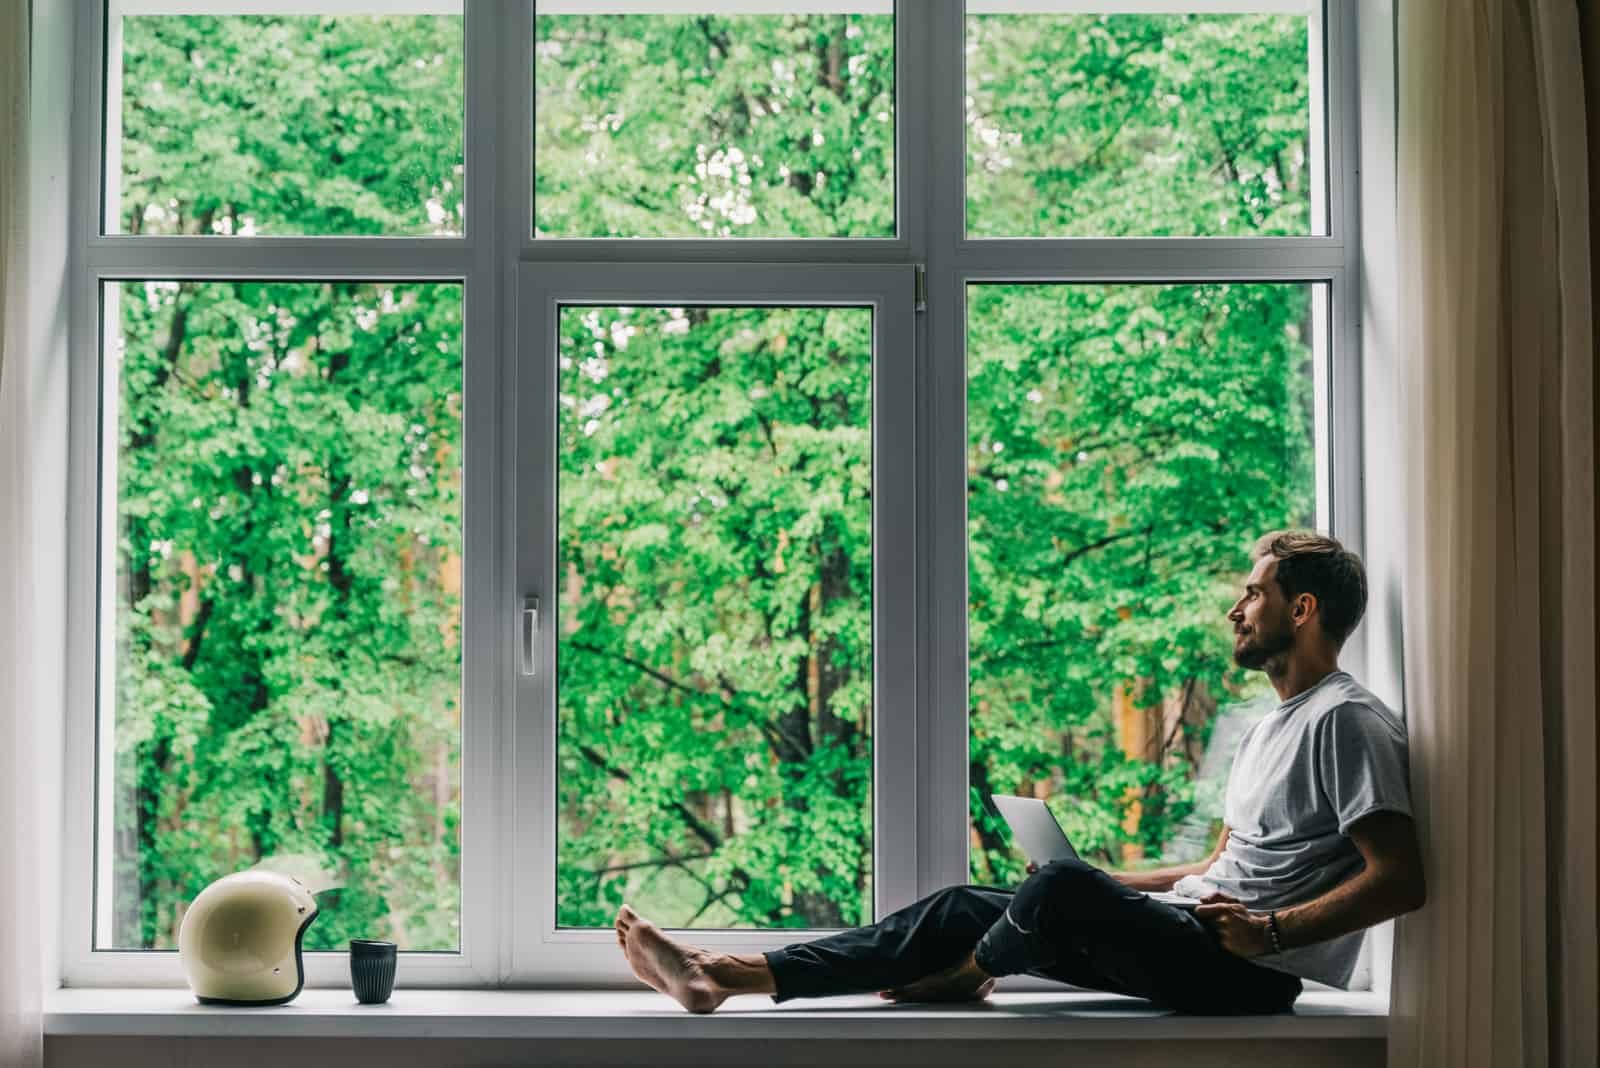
1314 563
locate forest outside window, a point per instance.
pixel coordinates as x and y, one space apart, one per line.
1096 119
259 118
767 119
715 615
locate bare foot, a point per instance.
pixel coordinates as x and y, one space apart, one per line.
676 970
963 982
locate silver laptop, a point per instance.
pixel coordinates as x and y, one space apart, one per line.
1035 829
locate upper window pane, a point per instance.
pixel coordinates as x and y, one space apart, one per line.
1091 118
269 120
685 119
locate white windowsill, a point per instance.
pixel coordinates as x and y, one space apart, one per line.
511 1014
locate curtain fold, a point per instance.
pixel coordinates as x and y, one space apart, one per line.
1497 409
21 1042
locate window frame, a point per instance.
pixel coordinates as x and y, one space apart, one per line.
490 260
467 260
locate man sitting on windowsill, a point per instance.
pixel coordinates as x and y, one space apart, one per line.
1317 845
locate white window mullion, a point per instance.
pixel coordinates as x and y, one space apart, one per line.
280 257
942 748
484 708
1155 257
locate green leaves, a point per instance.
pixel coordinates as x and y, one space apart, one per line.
714 126
295 124
1124 125
715 665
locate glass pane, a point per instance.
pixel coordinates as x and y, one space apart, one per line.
1126 446
709 124
245 124
282 602
715 616
1110 125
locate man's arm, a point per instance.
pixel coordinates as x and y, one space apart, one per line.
1165 878
1392 883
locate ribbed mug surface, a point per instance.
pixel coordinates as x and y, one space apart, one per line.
372 970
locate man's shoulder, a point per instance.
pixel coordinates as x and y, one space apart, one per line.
1346 702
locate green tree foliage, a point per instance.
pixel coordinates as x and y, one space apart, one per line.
716 617
288 471
289 669
294 124
1114 125
714 126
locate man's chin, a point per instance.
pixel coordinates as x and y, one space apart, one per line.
1251 658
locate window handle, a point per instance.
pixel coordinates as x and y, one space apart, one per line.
530 628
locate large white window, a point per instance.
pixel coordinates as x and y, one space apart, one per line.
531 456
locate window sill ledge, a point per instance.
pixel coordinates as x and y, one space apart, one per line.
634 1015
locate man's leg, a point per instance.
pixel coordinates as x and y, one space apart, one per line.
1075 923
919 940
903 947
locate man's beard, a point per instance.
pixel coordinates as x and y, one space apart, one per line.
1263 646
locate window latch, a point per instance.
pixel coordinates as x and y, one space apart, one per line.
530 629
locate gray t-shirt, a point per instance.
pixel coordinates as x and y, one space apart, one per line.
1304 773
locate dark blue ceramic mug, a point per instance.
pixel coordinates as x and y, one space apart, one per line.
372 970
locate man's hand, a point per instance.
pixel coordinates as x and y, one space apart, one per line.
1241 932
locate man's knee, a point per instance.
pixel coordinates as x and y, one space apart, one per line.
960 899
1060 886
1064 877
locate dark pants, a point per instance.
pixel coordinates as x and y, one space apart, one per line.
1069 922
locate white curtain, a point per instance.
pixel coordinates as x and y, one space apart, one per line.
21 1042
1498 440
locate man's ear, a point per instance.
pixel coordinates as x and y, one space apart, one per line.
1300 611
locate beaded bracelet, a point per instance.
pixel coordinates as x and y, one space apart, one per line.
1273 932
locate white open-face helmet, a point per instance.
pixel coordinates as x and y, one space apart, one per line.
240 939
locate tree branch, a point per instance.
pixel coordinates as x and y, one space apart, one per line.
197 631
659 862
1109 539
665 680
695 823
